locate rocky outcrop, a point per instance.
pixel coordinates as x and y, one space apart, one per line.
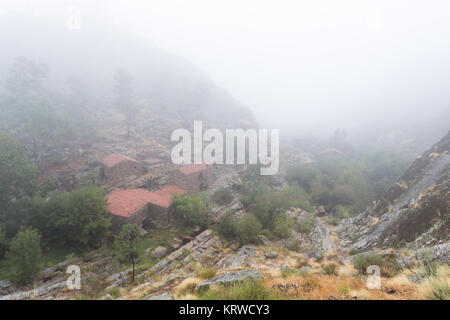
415 212
205 244
231 278
244 257
321 240
159 252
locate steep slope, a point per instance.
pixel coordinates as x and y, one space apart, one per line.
414 212
83 62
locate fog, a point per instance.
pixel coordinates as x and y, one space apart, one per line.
304 67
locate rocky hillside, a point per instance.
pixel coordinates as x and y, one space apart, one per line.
415 212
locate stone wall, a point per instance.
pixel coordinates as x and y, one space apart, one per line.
194 182
137 218
121 171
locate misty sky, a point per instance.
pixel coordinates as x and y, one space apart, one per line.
301 64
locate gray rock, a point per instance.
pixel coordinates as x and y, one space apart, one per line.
416 278
406 262
232 277
283 268
439 253
321 242
159 252
242 258
264 240
164 296
106 297
5 284
271 255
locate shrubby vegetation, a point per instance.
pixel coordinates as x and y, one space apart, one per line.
126 245
191 209
265 209
388 267
223 196
348 185
75 220
246 290
24 257
245 230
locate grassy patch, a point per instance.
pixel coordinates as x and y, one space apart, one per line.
388 268
247 290
438 289
330 269
207 273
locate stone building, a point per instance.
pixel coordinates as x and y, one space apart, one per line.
139 206
116 168
193 178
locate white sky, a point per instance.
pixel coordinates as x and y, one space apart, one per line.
301 64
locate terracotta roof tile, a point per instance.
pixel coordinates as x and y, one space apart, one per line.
115 158
126 203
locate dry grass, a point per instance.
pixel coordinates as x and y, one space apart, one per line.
187 287
316 287
319 287
437 287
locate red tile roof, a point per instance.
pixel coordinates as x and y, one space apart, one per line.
115 158
193 168
126 203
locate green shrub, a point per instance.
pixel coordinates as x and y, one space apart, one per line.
223 196
438 289
282 226
24 257
353 251
227 228
426 262
115 293
80 218
294 245
307 224
248 229
362 261
330 269
191 209
388 267
343 289
207 273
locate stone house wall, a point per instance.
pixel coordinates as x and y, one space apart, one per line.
194 182
121 171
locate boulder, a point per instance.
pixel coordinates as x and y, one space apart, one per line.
5 284
159 252
271 255
244 257
321 241
232 277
